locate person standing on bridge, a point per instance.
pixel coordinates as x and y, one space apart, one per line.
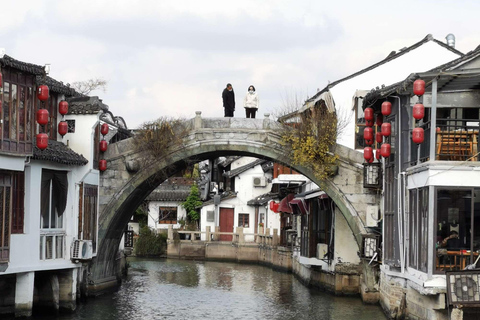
251 102
228 97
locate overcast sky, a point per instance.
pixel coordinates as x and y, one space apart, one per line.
172 58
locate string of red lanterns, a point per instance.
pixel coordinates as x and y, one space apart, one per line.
103 146
63 110
418 111
42 116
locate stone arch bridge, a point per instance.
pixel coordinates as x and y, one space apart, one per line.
125 184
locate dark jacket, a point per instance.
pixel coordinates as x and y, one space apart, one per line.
228 99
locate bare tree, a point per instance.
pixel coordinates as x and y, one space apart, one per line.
87 86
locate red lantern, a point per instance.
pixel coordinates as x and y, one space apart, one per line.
379 119
418 111
417 135
368 112
386 129
377 154
369 123
103 145
42 92
386 108
419 87
42 141
1 80
385 150
42 116
102 165
379 137
62 128
368 142
104 129
63 107
368 153
368 133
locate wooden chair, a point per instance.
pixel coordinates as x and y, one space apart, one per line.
454 146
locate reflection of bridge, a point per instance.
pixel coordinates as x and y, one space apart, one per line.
125 184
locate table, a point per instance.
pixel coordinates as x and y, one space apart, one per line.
455 259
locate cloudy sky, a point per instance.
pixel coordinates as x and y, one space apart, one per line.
172 58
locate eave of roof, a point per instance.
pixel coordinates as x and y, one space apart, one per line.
60 153
57 86
263 199
242 169
86 105
392 56
448 79
7 61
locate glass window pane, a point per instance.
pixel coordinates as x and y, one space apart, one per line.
13 122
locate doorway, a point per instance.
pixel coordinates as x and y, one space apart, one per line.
226 223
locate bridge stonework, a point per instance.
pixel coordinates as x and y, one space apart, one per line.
127 182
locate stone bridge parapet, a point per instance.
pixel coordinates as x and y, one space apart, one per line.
127 182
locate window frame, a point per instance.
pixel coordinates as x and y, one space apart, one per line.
173 219
244 220
21 108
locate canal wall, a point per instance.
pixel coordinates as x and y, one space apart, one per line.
345 280
401 298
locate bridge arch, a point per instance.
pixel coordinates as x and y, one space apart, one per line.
124 185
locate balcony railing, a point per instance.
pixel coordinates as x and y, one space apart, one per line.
457 140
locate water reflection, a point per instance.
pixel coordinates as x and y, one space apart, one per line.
178 289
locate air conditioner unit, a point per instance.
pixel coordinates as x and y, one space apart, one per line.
322 250
259 181
81 250
463 288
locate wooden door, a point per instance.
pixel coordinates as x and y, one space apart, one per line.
226 223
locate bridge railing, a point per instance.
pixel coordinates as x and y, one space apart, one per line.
239 237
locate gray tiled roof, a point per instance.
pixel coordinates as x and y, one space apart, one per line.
85 105
239 170
172 189
22 66
60 153
263 199
57 86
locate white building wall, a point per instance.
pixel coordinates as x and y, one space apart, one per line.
153 214
424 58
245 192
25 248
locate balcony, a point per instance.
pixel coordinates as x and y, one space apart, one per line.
455 140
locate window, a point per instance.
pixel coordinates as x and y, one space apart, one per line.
18 201
88 214
71 126
457 227
16 112
96 148
54 190
243 220
51 126
5 214
11 208
317 227
418 228
167 215
390 249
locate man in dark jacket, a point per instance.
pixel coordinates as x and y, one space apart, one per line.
228 97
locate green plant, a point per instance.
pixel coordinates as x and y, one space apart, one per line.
150 244
192 203
311 141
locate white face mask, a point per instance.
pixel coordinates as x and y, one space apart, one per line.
251 91
231 89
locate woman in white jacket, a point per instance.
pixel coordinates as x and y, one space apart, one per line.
251 102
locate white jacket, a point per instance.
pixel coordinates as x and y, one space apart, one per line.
251 100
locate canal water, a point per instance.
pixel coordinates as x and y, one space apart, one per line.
179 289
